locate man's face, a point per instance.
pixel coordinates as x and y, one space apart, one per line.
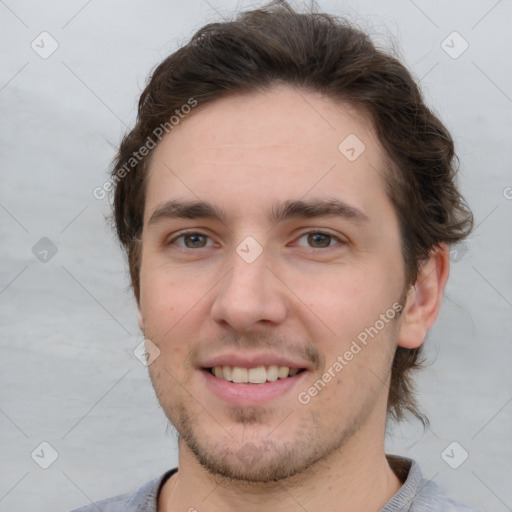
256 289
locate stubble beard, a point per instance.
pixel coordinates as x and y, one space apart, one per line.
258 456
271 458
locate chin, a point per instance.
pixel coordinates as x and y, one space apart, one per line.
252 463
254 453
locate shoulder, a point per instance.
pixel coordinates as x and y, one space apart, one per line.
143 499
115 504
430 498
418 494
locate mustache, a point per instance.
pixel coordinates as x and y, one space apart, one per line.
258 341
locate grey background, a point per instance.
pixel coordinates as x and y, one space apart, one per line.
69 375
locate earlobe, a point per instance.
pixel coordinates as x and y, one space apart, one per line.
424 299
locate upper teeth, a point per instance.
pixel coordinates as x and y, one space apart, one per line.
257 375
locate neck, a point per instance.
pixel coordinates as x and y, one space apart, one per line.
361 481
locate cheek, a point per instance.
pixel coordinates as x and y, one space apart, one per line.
162 303
345 301
361 373
165 321
163 290
154 298
172 305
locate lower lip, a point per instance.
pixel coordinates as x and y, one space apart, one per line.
250 394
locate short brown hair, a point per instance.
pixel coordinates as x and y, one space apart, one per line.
322 53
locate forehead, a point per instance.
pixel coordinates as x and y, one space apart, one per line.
281 144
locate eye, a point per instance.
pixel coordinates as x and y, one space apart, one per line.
320 240
190 240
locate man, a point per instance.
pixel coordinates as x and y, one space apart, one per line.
287 202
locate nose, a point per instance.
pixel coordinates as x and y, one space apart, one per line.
250 294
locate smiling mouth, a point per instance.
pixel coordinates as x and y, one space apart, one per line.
257 375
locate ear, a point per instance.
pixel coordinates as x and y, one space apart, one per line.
140 318
424 298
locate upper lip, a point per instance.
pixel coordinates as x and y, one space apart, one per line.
252 361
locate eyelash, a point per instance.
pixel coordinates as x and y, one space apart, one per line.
184 234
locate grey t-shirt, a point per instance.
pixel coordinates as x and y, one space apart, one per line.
416 494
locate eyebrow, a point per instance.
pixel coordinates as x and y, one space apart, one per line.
178 209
